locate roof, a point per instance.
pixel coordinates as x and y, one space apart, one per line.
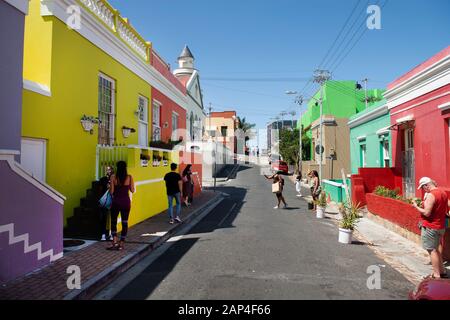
421 67
186 53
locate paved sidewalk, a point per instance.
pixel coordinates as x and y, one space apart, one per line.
99 266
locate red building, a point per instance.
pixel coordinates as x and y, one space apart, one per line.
167 116
419 105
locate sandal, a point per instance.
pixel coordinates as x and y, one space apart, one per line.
114 246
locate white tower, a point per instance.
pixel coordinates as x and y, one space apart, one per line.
185 63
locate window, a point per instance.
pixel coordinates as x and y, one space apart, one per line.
409 139
174 126
143 121
363 156
106 112
223 130
385 152
156 122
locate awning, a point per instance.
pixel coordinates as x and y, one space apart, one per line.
405 122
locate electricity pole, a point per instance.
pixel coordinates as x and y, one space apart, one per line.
365 90
320 77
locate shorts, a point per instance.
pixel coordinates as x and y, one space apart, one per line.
279 194
431 238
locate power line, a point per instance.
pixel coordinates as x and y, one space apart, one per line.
339 34
287 79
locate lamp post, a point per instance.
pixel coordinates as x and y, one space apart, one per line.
320 77
299 101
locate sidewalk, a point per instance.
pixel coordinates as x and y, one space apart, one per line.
406 256
99 266
227 173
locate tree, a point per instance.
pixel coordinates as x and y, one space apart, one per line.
289 146
246 128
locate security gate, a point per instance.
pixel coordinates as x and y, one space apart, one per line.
409 188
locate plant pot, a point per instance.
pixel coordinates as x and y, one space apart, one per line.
320 212
87 125
345 236
144 163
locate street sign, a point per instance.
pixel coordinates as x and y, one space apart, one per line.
319 149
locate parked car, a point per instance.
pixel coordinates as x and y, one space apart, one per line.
273 158
280 166
431 289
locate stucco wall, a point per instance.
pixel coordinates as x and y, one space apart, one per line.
11 57
34 215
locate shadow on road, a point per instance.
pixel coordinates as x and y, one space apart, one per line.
221 217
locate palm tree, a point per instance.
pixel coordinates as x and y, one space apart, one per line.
246 128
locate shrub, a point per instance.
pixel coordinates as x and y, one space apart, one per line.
388 193
350 215
322 200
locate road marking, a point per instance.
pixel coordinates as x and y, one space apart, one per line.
229 212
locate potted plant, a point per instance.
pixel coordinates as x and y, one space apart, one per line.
350 216
88 122
144 159
126 131
321 204
156 161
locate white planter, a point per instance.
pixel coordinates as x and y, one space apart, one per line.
87 125
320 212
345 236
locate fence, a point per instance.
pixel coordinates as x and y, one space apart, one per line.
108 155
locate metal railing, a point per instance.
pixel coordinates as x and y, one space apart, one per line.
108 156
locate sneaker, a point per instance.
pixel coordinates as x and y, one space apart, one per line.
277 207
177 219
103 238
171 221
285 206
299 195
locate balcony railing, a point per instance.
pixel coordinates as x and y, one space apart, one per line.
120 26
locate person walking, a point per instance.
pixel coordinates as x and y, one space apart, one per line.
298 184
277 179
120 187
315 186
174 187
104 185
432 224
188 185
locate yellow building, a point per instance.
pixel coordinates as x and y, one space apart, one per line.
83 61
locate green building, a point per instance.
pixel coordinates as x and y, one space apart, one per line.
370 138
341 99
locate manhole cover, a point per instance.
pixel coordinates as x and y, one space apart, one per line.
73 243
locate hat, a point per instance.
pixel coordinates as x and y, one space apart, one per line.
423 181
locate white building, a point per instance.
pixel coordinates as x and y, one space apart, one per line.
190 78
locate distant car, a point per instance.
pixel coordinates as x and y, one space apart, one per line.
280 166
273 158
431 289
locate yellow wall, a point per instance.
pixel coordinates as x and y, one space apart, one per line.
73 80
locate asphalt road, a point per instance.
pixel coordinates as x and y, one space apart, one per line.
245 249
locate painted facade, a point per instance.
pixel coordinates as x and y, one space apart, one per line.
340 100
370 138
31 211
103 69
419 106
195 111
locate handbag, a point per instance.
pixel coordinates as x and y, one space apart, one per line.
185 179
106 200
275 187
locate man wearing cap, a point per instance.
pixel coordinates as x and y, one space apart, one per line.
433 213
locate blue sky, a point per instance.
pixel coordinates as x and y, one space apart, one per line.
285 41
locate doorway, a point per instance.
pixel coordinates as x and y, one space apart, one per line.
408 164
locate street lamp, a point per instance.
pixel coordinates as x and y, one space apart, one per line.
299 101
320 77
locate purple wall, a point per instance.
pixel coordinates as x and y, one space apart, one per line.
32 212
11 64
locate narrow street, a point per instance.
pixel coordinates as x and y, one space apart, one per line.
245 249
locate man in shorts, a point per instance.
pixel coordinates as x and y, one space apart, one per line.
433 213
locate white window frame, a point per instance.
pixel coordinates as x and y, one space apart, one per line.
143 121
156 125
363 148
409 139
386 152
176 117
112 115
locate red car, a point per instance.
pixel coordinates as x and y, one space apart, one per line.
280 166
431 289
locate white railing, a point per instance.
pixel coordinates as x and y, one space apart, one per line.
108 156
133 41
101 10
